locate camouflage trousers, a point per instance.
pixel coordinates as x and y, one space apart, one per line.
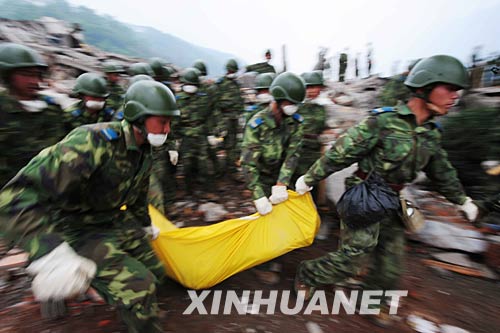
384 241
231 145
128 272
194 158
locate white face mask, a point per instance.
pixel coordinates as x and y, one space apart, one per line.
35 105
190 89
157 140
231 76
264 98
290 109
94 105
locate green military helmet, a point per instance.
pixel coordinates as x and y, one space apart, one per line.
200 65
264 80
91 84
140 77
141 68
438 68
232 65
148 98
288 86
314 78
190 76
14 56
113 67
159 67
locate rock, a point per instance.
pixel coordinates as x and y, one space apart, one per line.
344 100
312 327
213 212
422 325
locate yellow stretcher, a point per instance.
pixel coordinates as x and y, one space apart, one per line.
201 257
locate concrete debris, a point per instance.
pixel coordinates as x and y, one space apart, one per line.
448 236
50 37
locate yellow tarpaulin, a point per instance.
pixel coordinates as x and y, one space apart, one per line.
201 257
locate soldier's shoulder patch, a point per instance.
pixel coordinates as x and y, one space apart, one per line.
119 115
381 110
49 100
110 134
256 122
298 117
250 108
201 94
76 113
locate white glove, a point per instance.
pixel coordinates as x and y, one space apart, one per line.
470 209
263 205
174 156
278 194
212 140
61 274
301 187
489 164
152 231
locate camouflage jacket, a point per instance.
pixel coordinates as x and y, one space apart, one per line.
77 186
229 100
261 67
391 143
194 114
75 116
270 152
395 91
24 134
314 124
115 98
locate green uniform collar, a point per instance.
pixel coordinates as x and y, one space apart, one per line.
404 110
269 118
128 133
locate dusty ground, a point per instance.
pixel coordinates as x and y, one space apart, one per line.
466 302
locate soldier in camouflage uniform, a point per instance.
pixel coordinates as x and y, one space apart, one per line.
92 90
270 150
63 208
230 103
262 67
314 124
396 143
395 90
141 68
163 185
193 131
116 91
214 118
28 121
262 84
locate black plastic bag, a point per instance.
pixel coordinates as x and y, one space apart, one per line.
368 202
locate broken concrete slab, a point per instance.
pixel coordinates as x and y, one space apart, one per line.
449 236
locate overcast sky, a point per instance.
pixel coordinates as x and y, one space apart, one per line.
399 30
